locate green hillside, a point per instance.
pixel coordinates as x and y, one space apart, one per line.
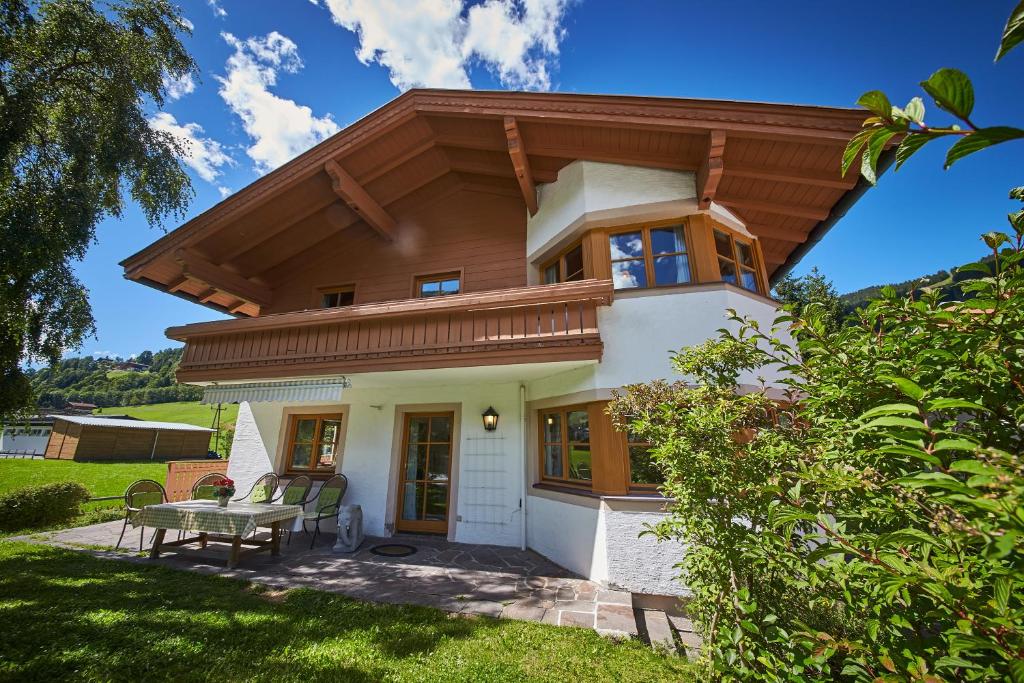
945 282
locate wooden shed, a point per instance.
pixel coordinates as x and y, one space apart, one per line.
85 437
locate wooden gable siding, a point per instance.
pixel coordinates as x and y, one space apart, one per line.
480 234
71 441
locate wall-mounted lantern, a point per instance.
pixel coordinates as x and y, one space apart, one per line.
490 419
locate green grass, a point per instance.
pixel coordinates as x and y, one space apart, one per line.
69 616
101 478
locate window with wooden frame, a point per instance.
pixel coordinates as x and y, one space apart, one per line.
565 449
566 267
737 260
313 444
441 284
650 256
335 297
644 473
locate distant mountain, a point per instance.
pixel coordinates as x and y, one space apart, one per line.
108 382
946 282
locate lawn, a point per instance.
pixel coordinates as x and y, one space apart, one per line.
101 478
69 616
189 412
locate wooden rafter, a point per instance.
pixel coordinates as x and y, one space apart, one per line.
521 164
796 210
177 284
793 175
710 172
207 296
197 268
776 233
360 201
234 308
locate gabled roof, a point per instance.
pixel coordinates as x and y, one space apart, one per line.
775 166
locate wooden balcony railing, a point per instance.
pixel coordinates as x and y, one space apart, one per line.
523 325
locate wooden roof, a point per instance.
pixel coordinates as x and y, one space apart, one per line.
775 166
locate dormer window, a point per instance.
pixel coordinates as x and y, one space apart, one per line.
442 284
335 297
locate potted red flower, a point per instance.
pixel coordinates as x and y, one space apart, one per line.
224 488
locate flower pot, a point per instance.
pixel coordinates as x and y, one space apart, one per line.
222 501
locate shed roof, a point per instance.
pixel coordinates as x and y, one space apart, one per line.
95 421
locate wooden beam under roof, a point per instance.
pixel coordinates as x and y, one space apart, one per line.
175 285
521 164
234 308
360 201
793 175
207 296
196 267
774 232
710 172
796 210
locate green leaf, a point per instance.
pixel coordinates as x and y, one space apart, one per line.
956 403
905 537
877 103
976 467
979 140
952 91
910 144
934 480
955 445
890 409
869 161
893 421
1013 34
908 387
854 146
1001 592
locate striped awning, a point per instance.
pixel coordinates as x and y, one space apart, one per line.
285 391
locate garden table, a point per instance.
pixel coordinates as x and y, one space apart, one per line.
217 524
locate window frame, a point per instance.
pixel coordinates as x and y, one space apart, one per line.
321 292
419 280
630 484
563 412
751 243
559 261
290 442
648 253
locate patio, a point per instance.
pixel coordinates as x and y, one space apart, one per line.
464 579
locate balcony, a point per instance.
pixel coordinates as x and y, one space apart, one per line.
523 325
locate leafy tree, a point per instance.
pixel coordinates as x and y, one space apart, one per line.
868 525
75 144
799 292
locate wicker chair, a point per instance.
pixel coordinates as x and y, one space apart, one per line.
137 496
263 491
325 505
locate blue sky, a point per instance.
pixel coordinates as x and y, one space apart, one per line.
278 75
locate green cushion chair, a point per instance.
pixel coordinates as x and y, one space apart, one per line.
137 496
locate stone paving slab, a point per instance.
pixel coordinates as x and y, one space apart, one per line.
492 581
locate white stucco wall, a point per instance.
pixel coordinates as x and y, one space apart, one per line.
590 194
635 563
487 470
569 535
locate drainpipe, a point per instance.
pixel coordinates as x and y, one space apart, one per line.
526 465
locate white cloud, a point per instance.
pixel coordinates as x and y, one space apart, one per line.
178 87
218 11
203 155
280 128
224 191
431 43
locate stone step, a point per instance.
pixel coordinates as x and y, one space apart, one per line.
659 630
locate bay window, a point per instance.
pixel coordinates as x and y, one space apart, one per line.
649 256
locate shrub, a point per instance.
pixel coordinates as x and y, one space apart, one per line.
32 507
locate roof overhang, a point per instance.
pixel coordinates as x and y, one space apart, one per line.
775 166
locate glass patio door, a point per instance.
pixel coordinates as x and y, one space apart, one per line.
424 485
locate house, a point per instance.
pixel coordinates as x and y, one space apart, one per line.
26 437
94 437
130 366
80 407
439 300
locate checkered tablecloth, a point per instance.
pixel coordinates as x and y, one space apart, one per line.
237 519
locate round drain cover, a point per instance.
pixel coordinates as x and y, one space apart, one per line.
393 550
